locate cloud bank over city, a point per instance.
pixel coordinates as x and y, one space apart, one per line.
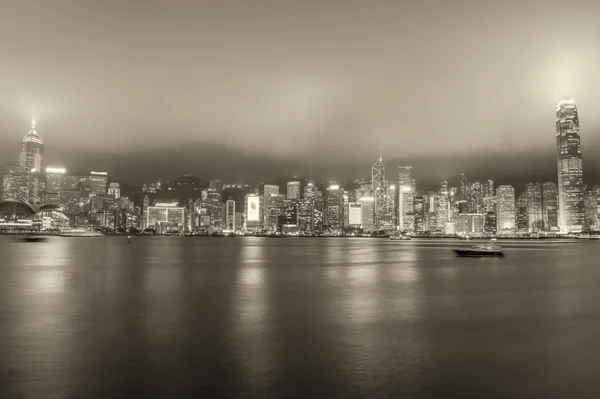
236 89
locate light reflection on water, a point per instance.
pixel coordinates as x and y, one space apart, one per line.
293 317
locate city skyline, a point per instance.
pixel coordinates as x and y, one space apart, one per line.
179 89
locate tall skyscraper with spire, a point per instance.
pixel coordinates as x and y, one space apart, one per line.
32 151
31 162
378 188
571 211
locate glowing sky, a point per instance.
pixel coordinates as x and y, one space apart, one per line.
240 88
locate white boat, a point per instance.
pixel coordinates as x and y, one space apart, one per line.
80 232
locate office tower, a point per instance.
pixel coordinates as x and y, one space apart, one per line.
32 151
533 192
378 189
596 189
368 212
392 205
345 202
318 212
590 202
550 206
114 190
432 213
145 205
505 213
521 220
63 190
334 207
491 224
463 192
475 199
252 212
230 214
276 207
365 189
214 206
489 196
406 190
217 185
571 213
419 203
289 219
310 190
471 224
293 190
15 183
304 212
268 190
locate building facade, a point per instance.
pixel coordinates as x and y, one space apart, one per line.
571 212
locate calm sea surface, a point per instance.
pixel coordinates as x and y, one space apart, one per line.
180 317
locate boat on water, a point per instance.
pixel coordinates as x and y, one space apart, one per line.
480 251
400 237
80 232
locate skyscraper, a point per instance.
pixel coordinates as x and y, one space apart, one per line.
293 190
32 151
334 207
268 190
230 214
550 206
521 221
378 189
406 190
310 190
505 214
571 213
533 193
31 160
591 209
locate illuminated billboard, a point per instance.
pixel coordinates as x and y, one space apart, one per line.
252 208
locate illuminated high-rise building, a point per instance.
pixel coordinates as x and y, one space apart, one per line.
550 206
310 190
334 214
378 189
32 151
521 220
114 190
14 183
276 208
293 190
505 213
489 196
591 209
571 212
420 208
533 192
230 214
368 212
268 190
406 192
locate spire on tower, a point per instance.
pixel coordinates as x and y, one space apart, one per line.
33 123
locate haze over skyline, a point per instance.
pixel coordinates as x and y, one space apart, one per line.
256 90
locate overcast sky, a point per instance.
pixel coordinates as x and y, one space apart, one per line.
246 89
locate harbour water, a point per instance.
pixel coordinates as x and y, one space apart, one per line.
182 317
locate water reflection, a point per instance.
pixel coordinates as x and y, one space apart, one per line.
252 335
